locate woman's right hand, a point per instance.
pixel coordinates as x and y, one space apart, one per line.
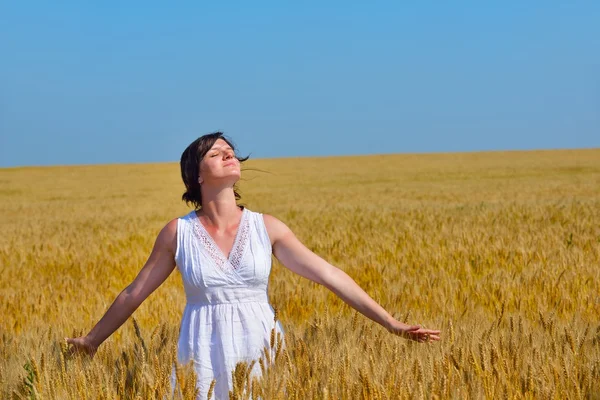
81 345
158 267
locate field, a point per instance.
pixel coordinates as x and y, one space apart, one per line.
500 250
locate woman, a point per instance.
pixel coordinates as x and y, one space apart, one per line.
223 252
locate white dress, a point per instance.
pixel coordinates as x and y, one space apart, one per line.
227 317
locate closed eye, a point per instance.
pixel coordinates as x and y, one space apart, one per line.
217 153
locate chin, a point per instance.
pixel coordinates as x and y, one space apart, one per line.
233 177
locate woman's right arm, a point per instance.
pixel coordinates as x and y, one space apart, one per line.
159 266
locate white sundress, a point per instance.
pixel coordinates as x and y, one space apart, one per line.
227 317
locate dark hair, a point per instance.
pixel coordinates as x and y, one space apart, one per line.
190 165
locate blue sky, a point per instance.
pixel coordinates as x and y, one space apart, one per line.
114 82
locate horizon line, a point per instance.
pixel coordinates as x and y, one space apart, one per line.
316 156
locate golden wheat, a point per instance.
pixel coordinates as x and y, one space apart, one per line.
499 250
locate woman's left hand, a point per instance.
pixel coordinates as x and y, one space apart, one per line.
413 332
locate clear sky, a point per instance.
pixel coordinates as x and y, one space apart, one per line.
119 82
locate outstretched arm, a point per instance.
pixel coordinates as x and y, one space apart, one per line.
156 270
298 258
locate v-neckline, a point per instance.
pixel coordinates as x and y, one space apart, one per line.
213 241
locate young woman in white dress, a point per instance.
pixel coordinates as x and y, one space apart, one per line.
223 252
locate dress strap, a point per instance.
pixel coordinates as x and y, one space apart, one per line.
261 230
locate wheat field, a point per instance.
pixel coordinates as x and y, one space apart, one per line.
499 250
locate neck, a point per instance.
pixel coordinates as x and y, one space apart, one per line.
219 207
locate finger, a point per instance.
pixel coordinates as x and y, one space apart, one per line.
430 333
434 338
423 337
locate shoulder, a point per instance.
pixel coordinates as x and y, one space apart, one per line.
167 237
170 228
275 228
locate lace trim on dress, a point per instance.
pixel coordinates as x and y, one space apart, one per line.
237 251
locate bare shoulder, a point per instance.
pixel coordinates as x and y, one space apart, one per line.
167 237
275 228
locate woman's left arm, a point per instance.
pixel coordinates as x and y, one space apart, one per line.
298 258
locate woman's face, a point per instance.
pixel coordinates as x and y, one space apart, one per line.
220 165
